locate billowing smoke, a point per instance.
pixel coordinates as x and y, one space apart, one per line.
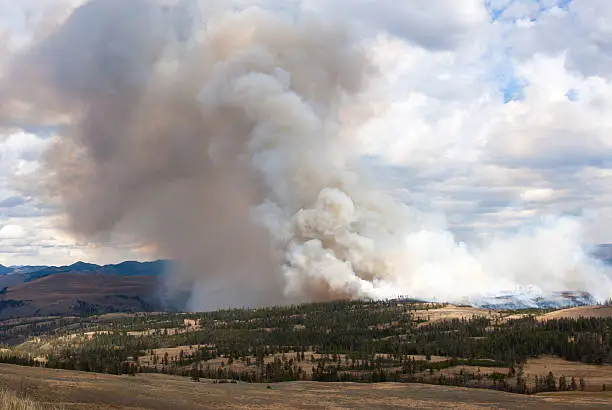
225 138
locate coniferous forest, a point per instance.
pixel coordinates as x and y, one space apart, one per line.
339 341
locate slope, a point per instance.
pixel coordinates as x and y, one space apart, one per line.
156 391
78 294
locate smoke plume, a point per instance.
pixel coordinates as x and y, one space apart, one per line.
224 138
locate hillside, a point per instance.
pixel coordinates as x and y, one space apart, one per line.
73 390
80 288
77 294
435 355
577 312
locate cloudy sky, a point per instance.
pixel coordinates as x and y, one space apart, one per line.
497 116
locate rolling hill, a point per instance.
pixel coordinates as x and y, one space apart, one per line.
80 288
78 294
73 390
13 275
579 312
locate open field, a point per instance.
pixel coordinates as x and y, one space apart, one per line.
449 312
581 311
77 390
11 400
595 375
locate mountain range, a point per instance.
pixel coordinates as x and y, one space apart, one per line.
12 275
80 288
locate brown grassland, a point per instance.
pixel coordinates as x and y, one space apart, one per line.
449 312
78 390
580 311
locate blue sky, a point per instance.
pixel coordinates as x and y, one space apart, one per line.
498 116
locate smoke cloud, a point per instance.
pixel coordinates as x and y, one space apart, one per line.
225 137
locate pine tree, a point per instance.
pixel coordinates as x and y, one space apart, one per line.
562 384
195 374
551 384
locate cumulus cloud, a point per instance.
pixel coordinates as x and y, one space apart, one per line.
537 194
12 232
490 123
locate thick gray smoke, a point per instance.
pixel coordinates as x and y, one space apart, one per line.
175 132
223 137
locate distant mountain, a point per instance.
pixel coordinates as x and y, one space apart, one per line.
13 275
80 288
79 294
11 270
133 268
83 267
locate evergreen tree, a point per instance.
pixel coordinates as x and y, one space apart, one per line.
562 384
551 383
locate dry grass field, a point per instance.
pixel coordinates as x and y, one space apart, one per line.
595 375
576 312
450 312
76 390
10 400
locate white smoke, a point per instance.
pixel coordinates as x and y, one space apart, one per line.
341 237
235 152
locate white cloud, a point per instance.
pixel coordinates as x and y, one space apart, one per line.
36 240
517 161
11 232
433 24
537 194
